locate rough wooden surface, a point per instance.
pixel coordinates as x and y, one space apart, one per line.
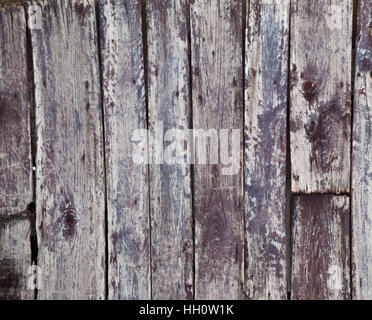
180 64
70 174
15 155
321 247
266 75
217 96
362 157
127 182
170 185
320 82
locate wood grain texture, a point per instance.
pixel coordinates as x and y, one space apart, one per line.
170 184
321 247
70 175
217 96
127 182
15 155
266 75
362 157
321 48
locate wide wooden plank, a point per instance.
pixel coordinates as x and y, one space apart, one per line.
321 48
15 156
321 247
127 182
266 74
70 187
170 184
217 96
362 157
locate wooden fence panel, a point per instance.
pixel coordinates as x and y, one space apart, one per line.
266 71
70 174
170 184
15 156
127 182
321 247
121 212
321 48
362 157
217 74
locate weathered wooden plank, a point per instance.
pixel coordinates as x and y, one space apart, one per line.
362 157
15 155
170 184
321 247
321 48
217 73
266 72
70 174
127 182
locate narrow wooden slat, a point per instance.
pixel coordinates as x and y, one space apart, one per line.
266 72
362 157
321 247
127 182
321 48
170 185
70 173
15 155
217 73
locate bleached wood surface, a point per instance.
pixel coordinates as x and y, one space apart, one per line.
170 185
127 183
265 142
70 188
15 156
362 157
320 95
105 68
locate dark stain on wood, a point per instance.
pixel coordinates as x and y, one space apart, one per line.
322 128
321 247
10 279
9 115
311 83
68 219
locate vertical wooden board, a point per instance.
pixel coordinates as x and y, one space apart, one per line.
127 182
170 185
70 187
15 260
266 72
362 157
15 155
321 48
321 248
217 96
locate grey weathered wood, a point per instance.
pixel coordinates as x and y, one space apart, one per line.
70 174
321 247
217 73
362 157
127 182
266 72
321 47
15 155
170 184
